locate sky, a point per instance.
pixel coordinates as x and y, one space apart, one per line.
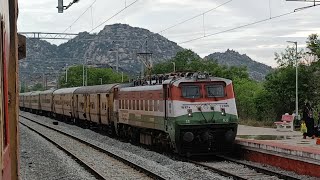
258 41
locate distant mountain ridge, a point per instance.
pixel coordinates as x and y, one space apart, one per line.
257 71
45 61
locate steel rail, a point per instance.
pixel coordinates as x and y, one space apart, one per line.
78 160
260 169
109 153
219 171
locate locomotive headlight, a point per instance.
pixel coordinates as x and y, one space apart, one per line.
223 112
189 112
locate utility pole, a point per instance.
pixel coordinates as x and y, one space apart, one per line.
61 7
117 57
117 67
147 62
100 81
122 76
66 73
296 58
84 73
43 81
174 66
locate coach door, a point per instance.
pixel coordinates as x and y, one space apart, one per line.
99 108
76 107
5 161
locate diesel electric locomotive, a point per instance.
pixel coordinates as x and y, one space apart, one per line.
191 113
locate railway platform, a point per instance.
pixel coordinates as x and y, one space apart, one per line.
287 150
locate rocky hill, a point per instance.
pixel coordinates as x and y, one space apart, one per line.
46 61
257 71
114 41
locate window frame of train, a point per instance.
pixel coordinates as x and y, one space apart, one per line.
3 90
223 94
184 89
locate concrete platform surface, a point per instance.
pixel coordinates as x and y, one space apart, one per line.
249 130
270 136
287 150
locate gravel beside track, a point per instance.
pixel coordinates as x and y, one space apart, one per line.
153 161
103 165
39 159
279 170
158 163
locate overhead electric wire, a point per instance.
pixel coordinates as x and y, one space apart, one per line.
78 17
114 15
239 27
201 14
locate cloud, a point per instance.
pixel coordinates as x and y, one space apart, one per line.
258 41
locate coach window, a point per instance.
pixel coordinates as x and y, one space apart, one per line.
146 105
130 103
137 104
155 105
150 105
161 106
126 104
120 104
141 105
133 105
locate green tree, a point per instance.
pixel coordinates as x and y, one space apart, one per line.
313 44
37 87
94 77
188 61
288 57
280 86
246 91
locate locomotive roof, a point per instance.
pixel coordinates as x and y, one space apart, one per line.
47 91
177 81
106 88
65 90
34 93
142 88
27 93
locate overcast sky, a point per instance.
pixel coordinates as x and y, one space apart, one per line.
258 41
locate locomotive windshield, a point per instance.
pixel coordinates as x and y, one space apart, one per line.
191 91
215 90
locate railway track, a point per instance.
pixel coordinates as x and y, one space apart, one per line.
224 166
108 160
240 170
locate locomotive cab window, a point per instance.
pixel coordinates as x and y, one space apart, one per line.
191 92
216 90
